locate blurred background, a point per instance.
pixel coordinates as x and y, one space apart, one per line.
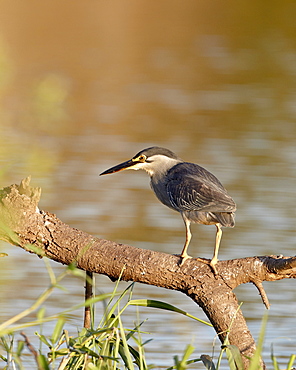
85 85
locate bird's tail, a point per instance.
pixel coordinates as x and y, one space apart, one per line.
226 219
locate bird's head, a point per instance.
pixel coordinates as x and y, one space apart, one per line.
154 160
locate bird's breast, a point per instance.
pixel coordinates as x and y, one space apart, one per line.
160 190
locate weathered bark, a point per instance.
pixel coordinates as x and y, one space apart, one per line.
50 237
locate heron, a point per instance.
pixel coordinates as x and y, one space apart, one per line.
187 188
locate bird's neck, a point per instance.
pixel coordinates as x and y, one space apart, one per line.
161 168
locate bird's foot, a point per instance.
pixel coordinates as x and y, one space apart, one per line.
212 263
183 258
213 267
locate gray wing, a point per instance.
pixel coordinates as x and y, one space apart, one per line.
193 188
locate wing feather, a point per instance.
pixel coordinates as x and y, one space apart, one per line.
193 188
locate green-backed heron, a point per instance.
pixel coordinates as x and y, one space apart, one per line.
187 188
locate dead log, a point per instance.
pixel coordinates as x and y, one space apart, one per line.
24 225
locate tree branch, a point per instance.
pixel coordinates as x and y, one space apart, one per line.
43 233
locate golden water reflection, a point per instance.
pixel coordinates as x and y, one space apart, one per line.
83 87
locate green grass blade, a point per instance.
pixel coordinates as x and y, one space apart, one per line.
124 348
109 311
291 362
184 362
256 359
234 357
274 359
20 347
43 339
58 330
164 306
43 362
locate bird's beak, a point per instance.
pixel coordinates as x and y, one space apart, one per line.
120 167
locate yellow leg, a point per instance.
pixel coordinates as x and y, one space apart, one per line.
214 260
215 255
184 254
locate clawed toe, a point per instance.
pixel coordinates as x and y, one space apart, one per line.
212 263
183 259
213 267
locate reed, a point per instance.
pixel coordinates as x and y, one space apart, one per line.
107 346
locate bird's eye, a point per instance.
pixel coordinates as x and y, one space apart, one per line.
142 158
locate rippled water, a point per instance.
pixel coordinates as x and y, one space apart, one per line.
123 208
218 93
